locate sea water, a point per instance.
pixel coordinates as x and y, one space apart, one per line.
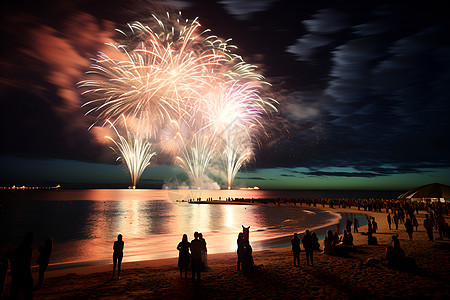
84 223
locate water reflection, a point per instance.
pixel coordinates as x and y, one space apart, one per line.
151 221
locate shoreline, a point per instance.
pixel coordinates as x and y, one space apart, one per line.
275 277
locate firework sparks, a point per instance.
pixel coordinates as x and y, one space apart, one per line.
186 89
134 151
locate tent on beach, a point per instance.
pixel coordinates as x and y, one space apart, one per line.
433 192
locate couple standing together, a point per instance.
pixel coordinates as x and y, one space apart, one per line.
196 257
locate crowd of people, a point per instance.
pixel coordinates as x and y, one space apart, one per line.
193 254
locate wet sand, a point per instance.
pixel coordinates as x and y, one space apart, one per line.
331 277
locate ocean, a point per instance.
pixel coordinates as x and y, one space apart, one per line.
85 223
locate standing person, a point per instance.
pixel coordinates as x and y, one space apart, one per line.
196 257
428 224
389 220
415 223
307 244
349 225
395 220
117 255
374 225
21 268
440 220
44 259
184 257
355 225
369 226
409 227
240 250
204 252
295 242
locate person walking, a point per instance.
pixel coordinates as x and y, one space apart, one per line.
409 227
428 224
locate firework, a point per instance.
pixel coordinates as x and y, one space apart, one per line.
134 151
195 158
184 88
237 151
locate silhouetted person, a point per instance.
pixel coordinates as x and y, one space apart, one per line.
308 245
369 226
184 257
44 258
196 257
21 268
395 220
428 224
349 225
389 220
355 225
295 242
117 255
374 225
315 241
440 220
415 223
395 255
328 244
371 240
240 250
204 252
4 265
409 227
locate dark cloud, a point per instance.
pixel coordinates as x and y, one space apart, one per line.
242 9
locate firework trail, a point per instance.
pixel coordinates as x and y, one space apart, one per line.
236 153
134 151
186 90
195 158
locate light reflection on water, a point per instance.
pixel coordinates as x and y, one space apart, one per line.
84 223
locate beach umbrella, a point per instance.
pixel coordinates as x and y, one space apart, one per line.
428 191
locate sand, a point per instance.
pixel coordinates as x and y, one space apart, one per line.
331 277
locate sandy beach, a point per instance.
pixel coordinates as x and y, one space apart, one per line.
331 277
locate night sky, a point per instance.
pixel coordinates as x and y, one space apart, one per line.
363 87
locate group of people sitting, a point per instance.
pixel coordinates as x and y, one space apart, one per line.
335 245
396 258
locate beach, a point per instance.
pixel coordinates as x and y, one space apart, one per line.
331 277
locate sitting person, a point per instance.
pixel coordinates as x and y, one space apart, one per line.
371 240
395 256
345 240
328 245
315 241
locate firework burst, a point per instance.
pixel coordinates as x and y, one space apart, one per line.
184 88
